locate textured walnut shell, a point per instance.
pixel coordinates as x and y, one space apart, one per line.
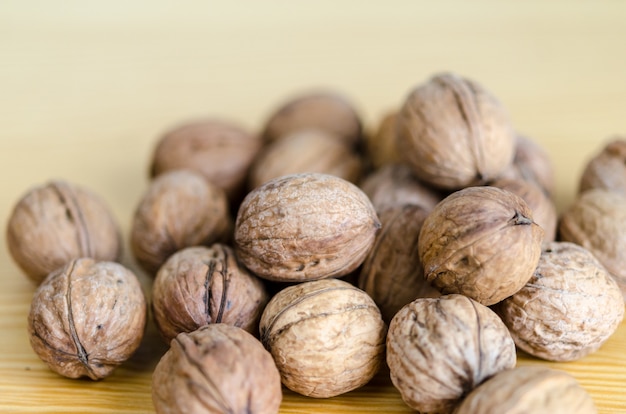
179 209
607 169
481 242
529 389
596 220
219 150
216 369
201 285
87 318
304 227
325 110
392 273
455 134
326 336
57 222
439 349
381 145
531 163
394 185
302 151
569 307
542 207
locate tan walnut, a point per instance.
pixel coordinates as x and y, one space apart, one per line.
380 146
87 318
481 242
57 222
216 369
439 349
327 337
304 227
607 169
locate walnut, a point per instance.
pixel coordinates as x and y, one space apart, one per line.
179 209
607 169
439 349
219 150
481 242
216 369
392 272
201 285
529 389
395 185
306 150
454 134
596 220
380 146
542 207
325 110
568 308
304 227
87 318
57 222
326 336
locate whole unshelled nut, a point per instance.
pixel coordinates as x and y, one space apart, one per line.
439 349
304 227
216 369
201 285
529 389
481 242
57 222
326 336
87 318
568 308
381 145
607 169
455 134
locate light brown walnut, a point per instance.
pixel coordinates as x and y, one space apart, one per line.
381 145
607 169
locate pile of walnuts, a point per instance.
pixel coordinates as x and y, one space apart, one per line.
312 253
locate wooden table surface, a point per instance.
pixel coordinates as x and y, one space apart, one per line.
87 87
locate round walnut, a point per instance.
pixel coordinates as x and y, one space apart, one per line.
381 145
439 349
87 318
304 227
200 285
596 220
219 150
392 272
529 389
326 336
179 209
454 134
568 308
395 185
481 242
607 169
57 222
216 369
325 110
302 151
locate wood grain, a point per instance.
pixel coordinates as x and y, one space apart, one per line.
88 87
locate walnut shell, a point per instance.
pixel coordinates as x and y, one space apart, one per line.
57 222
531 163
439 349
607 169
455 134
87 318
381 145
395 185
307 150
326 336
529 389
392 273
216 369
201 285
304 227
568 308
481 242
596 220
179 209
219 150
325 110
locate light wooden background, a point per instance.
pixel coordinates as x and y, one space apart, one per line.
86 88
